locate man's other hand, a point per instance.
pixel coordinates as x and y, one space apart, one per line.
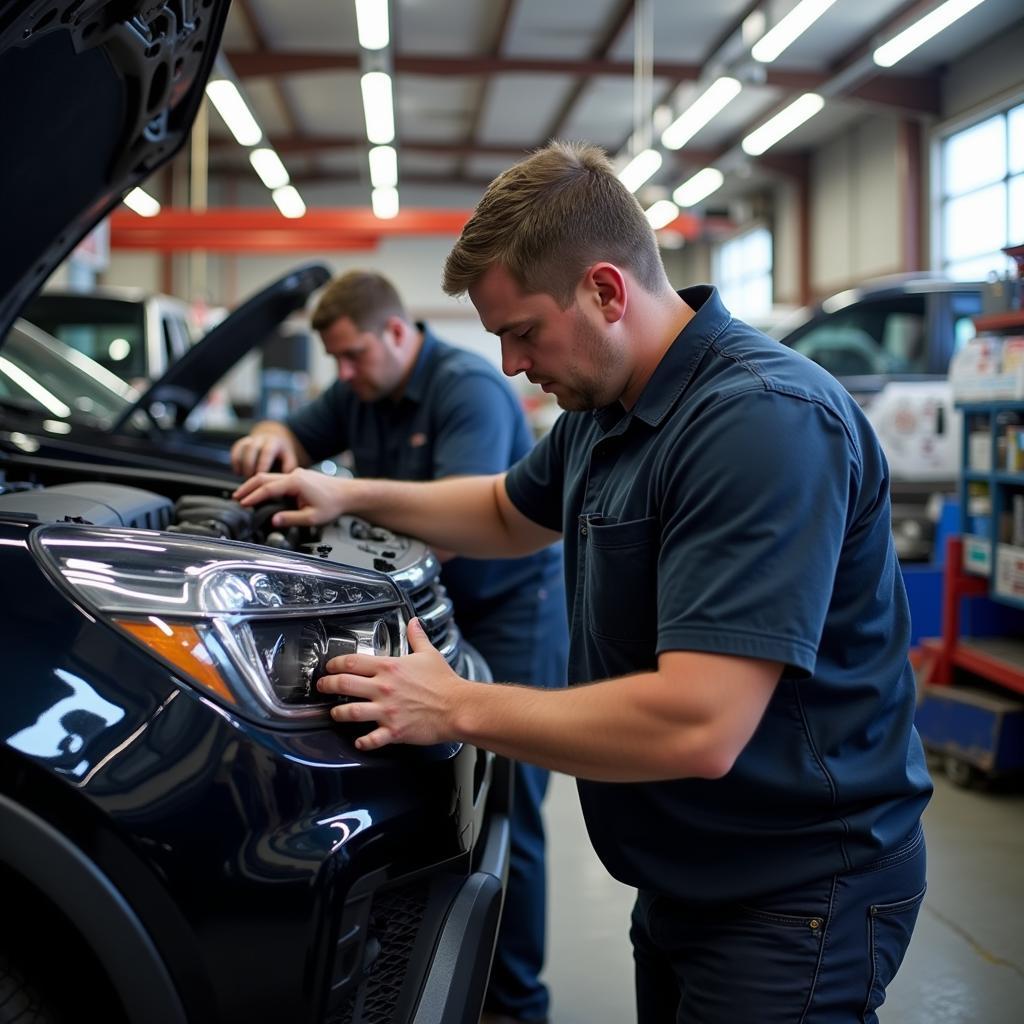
258 452
320 499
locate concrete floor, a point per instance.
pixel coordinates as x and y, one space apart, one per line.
965 964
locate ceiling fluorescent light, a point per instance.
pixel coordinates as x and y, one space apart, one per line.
794 24
267 164
385 203
785 121
224 95
142 203
289 202
717 95
640 168
383 167
377 106
661 214
372 24
699 187
921 31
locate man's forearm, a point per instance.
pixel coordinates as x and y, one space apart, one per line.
613 731
459 514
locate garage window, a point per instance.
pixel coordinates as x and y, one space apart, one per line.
743 273
982 197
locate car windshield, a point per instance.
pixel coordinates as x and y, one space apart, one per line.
879 337
107 330
56 380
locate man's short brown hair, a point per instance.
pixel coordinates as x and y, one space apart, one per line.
367 299
549 217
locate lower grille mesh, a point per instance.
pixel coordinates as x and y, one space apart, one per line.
395 921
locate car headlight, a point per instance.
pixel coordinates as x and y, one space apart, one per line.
250 628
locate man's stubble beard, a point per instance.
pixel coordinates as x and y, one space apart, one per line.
584 393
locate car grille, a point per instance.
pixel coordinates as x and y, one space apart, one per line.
395 921
433 607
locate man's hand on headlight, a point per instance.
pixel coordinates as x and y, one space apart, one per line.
320 498
412 699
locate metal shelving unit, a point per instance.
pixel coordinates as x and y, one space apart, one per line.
980 729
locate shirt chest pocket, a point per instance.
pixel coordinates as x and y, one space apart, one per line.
621 588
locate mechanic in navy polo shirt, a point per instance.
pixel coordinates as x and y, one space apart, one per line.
745 748
410 407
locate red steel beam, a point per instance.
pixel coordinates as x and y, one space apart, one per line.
483 95
262 46
153 240
247 64
909 168
262 230
919 94
612 31
297 144
256 64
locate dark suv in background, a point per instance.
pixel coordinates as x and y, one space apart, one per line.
185 836
890 342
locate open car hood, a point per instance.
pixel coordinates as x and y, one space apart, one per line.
188 380
99 93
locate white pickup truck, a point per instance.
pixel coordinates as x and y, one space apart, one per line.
890 342
134 334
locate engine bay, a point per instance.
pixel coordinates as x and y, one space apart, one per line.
97 503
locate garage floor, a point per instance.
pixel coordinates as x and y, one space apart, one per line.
965 965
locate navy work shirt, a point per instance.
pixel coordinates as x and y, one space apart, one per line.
740 508
457 417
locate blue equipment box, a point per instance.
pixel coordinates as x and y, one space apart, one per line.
979 728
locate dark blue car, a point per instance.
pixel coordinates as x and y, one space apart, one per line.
184 833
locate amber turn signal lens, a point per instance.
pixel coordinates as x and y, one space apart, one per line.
182 646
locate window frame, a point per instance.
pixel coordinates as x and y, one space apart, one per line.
1001 108
724 285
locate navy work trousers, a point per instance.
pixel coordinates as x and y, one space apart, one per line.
820 954
526 642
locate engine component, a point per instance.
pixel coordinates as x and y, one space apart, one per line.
206 516
98 504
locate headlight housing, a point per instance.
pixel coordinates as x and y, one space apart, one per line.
253 629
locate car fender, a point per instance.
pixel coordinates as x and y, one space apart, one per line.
43 856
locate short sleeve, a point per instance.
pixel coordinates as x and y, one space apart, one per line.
755 510
320 426
535 484
476 426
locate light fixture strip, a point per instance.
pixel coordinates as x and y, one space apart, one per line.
640 169
141 202
921 31
714 99
224 95
383 167
267 164
378 107
385 203
661 214
785 121
794 24
699 187
372 24
288 201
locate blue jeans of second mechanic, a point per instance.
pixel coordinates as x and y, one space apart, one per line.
820 954
526 642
